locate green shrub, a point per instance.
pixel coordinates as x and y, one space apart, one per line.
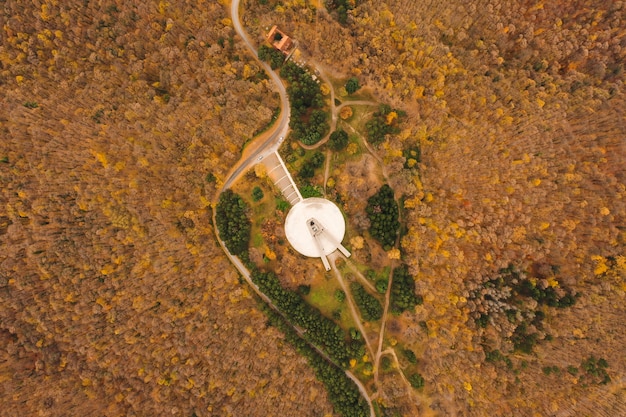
338 140
352 85
403 295
382 285
257 194
282 205
416 381
308 190
409 355
355 334
385 363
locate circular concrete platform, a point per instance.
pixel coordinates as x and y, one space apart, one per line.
298 227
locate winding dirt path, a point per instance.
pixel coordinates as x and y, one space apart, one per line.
382 325
355 315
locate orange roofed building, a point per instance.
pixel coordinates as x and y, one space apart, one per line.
279 40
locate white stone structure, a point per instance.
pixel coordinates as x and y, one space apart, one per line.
280 176
315 227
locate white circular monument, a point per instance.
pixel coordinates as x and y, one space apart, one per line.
315 227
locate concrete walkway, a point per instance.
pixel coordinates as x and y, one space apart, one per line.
280 176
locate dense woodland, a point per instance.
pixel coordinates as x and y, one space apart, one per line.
116 297
514 120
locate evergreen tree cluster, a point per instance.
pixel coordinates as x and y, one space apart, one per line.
595 371
409 355
257 193
308 121
403 295
382 211
308 191
416 381
309 167
338 140
368 305
512 287
547 296
352 85
272 56
233 223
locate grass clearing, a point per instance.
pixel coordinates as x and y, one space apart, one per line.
362 94
360 116
257 239
322 296
339 85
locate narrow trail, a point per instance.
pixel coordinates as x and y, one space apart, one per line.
357 103
329 154
407 385
382 325
353 310
334 109
366 282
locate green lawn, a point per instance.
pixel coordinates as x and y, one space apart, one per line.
322 296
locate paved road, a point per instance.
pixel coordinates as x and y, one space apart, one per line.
256 151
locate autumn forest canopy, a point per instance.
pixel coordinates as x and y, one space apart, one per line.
477 153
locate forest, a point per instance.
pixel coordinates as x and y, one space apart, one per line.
119 122
502 139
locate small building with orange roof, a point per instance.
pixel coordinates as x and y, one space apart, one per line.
279 40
